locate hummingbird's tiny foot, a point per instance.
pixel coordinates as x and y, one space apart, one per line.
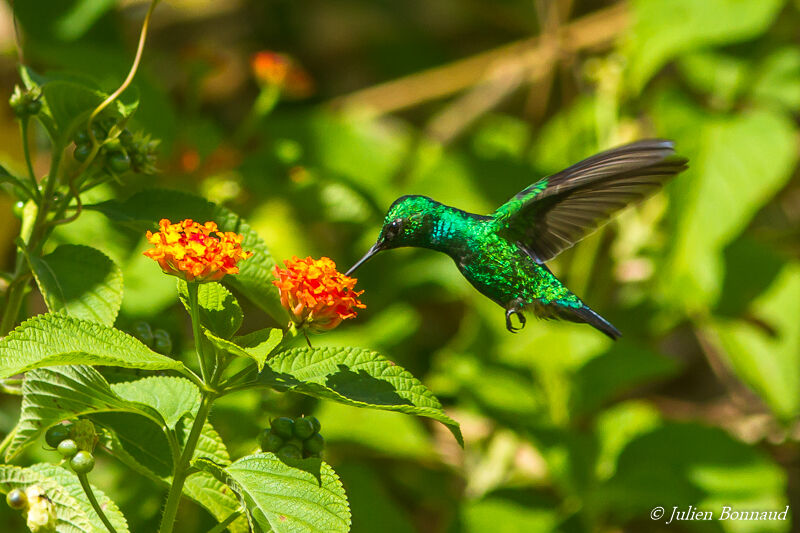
509 325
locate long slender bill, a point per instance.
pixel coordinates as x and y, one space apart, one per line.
372 251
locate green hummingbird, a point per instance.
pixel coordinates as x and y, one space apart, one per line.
503 255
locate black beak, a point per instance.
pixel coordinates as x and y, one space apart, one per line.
372 251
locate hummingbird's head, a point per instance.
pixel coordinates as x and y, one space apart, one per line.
405 222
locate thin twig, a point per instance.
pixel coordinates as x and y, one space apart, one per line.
219 528
87 488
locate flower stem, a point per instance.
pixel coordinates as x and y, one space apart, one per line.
87 488
194 311
219 528
181 470
23 125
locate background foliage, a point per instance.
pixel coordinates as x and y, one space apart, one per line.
697 404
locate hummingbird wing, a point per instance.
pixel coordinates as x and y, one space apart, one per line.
556 212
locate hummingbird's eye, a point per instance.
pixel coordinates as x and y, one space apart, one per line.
394 227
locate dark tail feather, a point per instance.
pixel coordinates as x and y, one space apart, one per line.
585 314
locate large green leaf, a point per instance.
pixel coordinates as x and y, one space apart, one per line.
70 105
172 397
662 30
50 395
72 485
142 446
256 346
291 496
81 281
47 340
740 163
689 464
357 377
143 210
219 310
766 360
74 514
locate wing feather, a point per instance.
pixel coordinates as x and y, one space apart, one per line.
560 210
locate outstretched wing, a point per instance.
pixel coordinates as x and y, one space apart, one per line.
556 212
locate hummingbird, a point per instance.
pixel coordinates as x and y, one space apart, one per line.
504 255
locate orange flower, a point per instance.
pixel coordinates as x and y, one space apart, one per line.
190 251
280 70
316 295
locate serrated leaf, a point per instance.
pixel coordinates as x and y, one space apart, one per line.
262 343
74 514
47 340
219 310
70 483
140 444
293 496
171 397
143 210
354 376
50 395
81 281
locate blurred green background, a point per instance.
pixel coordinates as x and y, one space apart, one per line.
469 101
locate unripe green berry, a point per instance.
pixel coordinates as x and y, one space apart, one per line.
18 209
82 137
82 462
16 499
314 445
315 422
81 152
270 442
56 434
99 132
33 107
141 330
303 428
162 342
126 138
283 427
290 451
67 448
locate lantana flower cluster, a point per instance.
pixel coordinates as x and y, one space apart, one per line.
196 252
317 296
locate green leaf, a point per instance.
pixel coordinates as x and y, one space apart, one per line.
172 397
70 483
519 511
256 346
219 310
80 17
741 163
142 446
74 514
291 496
50 395
662 30
690 464
81 281
143 210
778 79
357 377
70 105
47 340
768 359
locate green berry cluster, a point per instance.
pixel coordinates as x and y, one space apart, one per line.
26 103
158 339
65 439
293 438
120 153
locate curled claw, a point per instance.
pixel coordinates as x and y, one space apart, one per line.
521 317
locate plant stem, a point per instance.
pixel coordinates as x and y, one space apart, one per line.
181 470
219 528
87 488
23 125
194 311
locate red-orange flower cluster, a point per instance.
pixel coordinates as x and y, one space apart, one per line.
190 251
280 70
317 296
